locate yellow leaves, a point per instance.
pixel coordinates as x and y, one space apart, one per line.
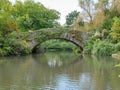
12 25
7 24
116 5
115 30
99 19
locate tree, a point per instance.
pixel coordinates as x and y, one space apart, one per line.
88 9
22 16
115 30
102 6
7 23
32 15
115 8
71 17
78 23
99 19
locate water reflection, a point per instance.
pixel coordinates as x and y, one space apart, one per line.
57 59
58 71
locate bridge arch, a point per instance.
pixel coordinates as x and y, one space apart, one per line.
38 44
35 38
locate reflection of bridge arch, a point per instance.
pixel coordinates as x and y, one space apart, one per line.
37 37
57 59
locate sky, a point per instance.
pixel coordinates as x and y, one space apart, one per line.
62 6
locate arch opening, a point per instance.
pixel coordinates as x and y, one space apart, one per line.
56 44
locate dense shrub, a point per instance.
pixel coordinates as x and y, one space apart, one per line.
89 44
103 48
100 47
20 48
107 24
88 49
4 51
15 48
115 30
117 48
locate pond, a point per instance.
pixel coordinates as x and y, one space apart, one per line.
59 71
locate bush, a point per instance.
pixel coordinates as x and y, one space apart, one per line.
20 48
88 49
89 44
115 30
103 48
15 48
117 47
107 24
2 52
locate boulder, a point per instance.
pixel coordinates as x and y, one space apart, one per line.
116 56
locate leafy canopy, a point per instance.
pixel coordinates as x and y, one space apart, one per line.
33 15
71 17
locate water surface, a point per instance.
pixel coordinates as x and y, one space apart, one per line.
59 71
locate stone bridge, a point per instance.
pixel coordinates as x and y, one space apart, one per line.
36 37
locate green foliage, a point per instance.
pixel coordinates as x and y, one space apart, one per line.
71 17
20 48
15 49
4 51
103 48
98 47
59 44
88 49
27 15
107 24
31 15
115 30
12 46
7 25
89 45
117 47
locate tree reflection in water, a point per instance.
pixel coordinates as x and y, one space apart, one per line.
58 71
